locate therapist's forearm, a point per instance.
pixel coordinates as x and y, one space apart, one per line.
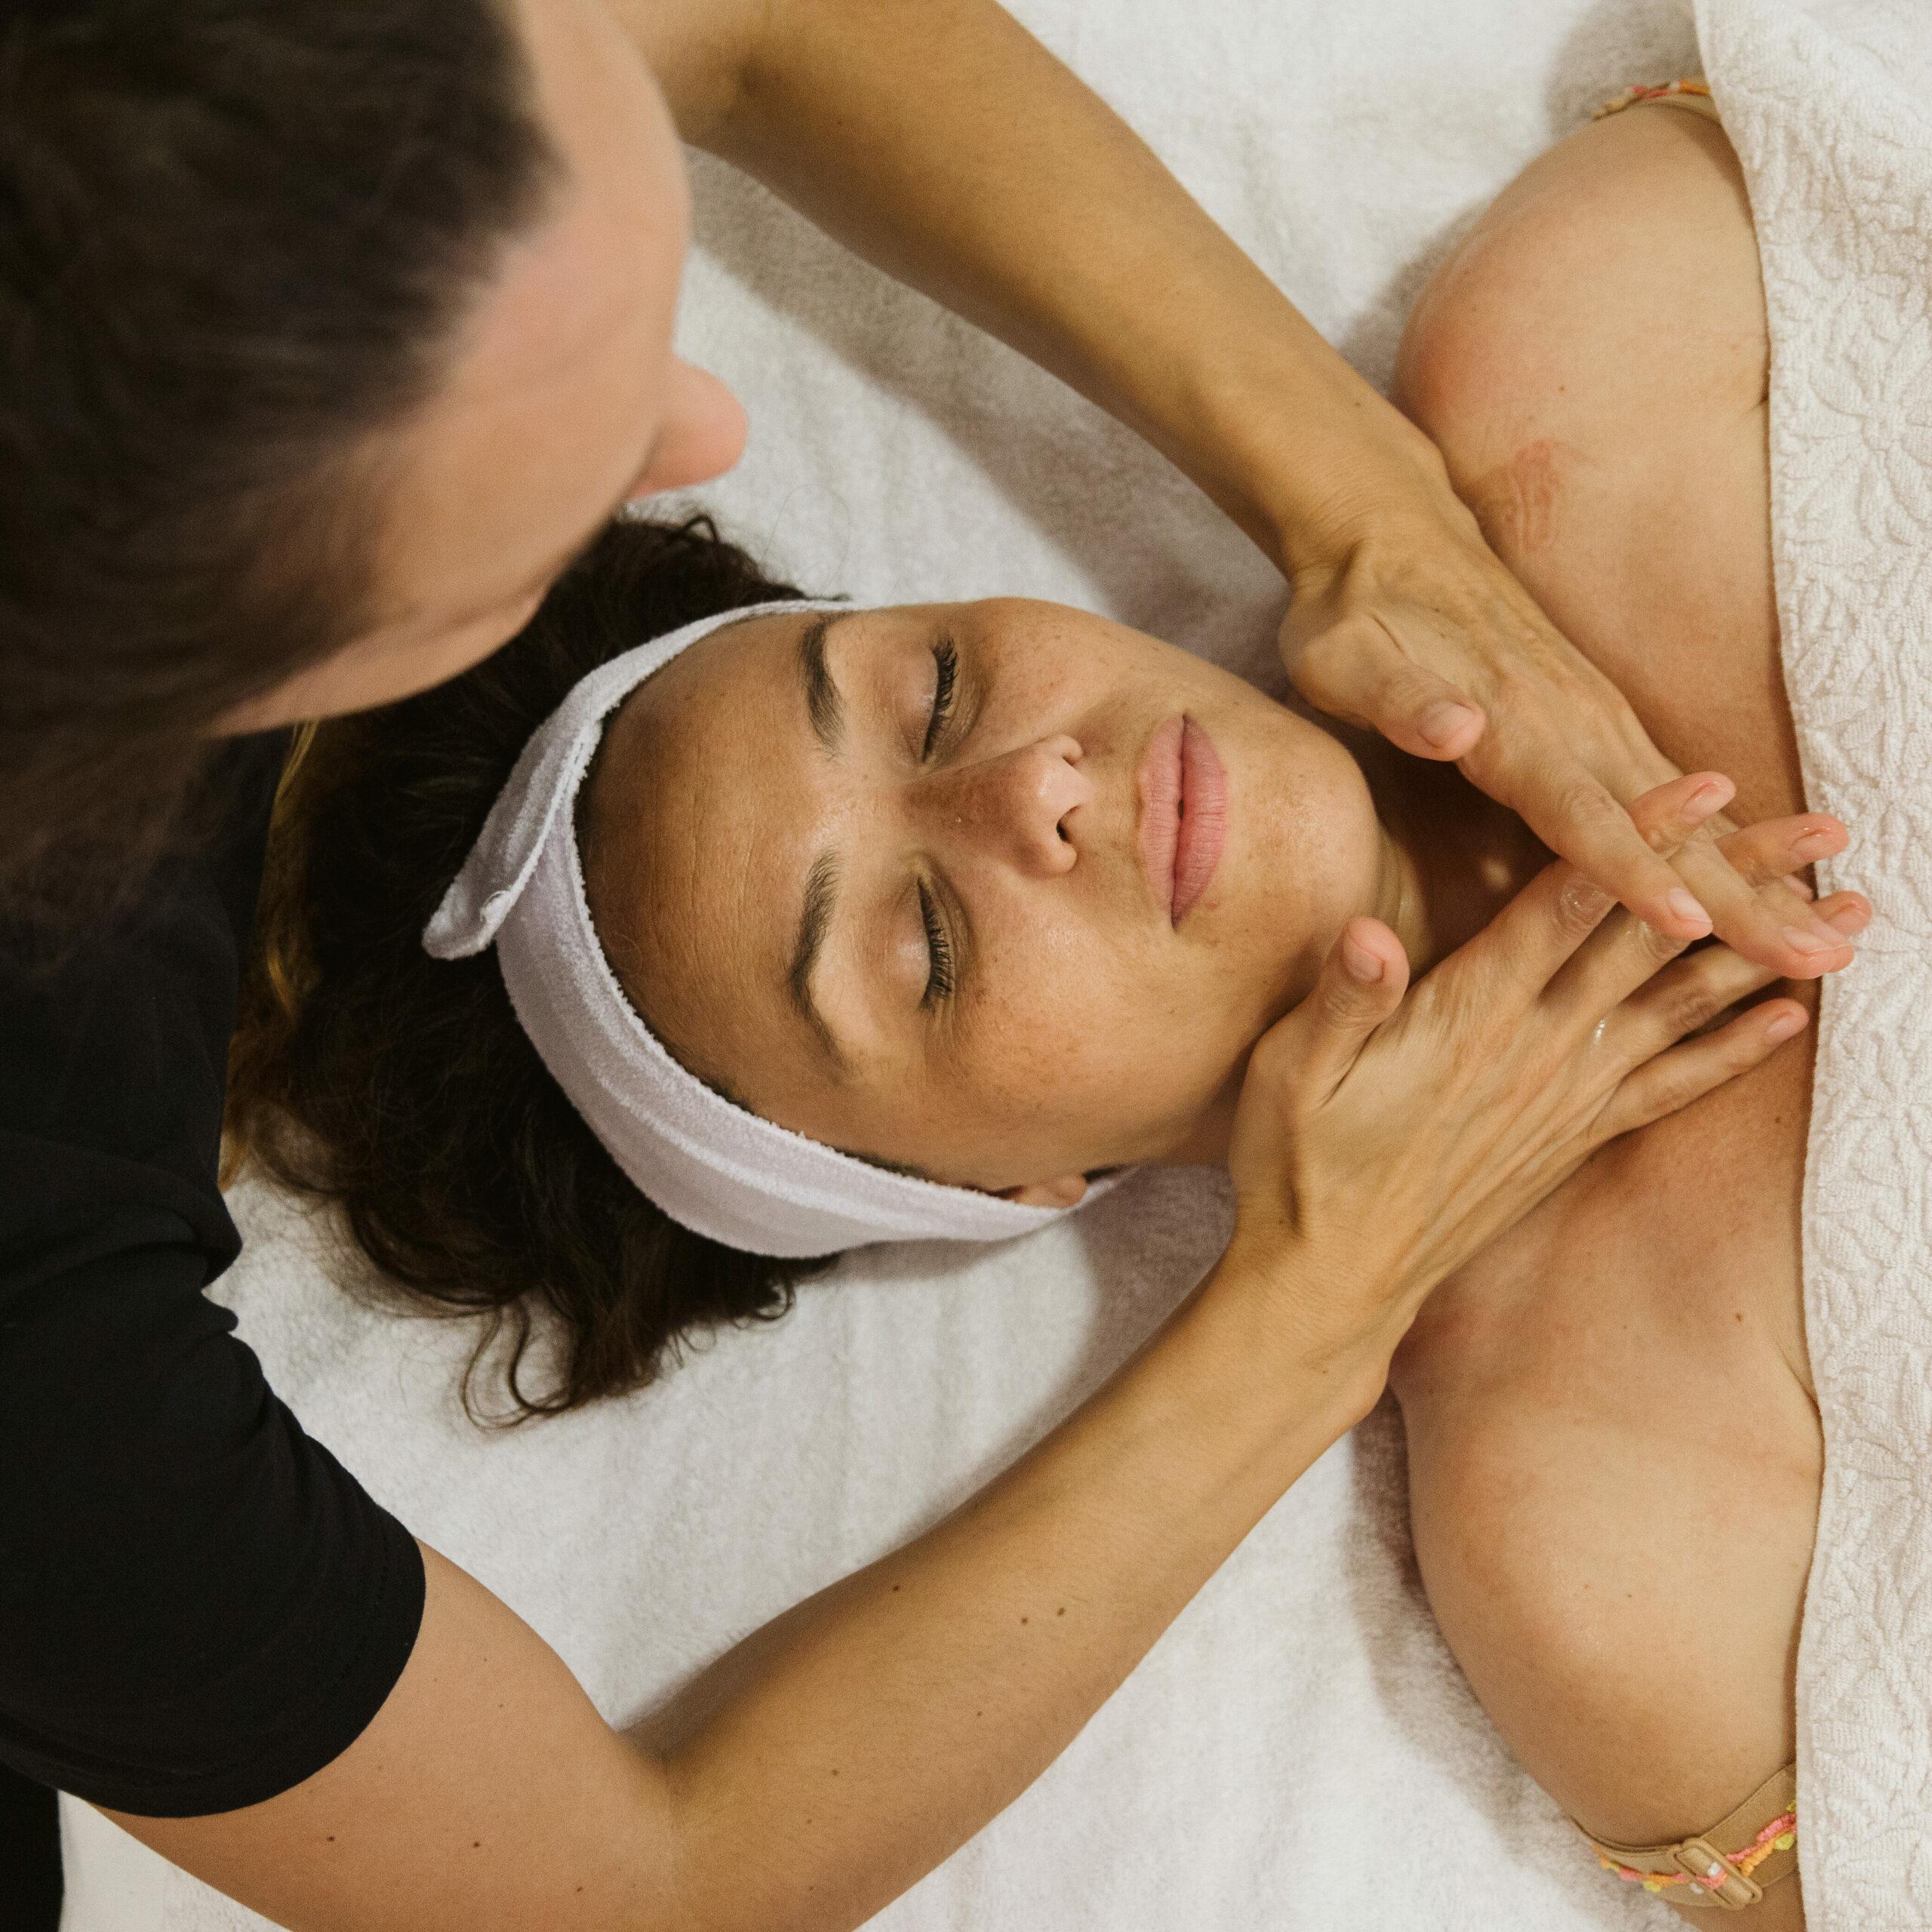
940 139
862 1738
841 1753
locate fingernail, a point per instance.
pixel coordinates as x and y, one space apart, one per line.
1684 907
1362 965
1441 722
1707 798
1783 1027
1811 845
1801 939
1850 919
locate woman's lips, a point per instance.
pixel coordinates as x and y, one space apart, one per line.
1204 817
1183 814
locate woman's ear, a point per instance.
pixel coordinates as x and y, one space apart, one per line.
1066 1191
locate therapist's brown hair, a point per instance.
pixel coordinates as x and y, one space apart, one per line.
402 1088
235 238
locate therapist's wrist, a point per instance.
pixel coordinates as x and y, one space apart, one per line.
1307 457
1386 492
1322 1330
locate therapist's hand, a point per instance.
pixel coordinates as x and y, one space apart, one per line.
1425 635
1393 1136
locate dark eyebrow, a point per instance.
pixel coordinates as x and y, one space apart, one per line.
823 705
821 888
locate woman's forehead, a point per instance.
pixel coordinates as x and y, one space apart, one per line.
696 815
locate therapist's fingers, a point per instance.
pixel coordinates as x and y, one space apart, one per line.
1362 983
1685 999
1536 935
1275 1154
1777 848
1777 928
1674 1079
1354 668
1691 992
1625 952
1433 641
1578 816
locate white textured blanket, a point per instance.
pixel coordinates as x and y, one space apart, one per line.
1300 1754
1830 108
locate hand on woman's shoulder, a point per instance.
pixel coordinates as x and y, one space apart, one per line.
1592 359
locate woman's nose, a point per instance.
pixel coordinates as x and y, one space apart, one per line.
1019 807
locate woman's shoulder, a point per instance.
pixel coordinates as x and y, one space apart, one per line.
1591 361
1616 281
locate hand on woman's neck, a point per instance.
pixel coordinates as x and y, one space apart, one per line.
1451 858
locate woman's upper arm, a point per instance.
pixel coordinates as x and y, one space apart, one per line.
487 1793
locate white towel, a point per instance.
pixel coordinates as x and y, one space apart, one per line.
1830 108
1300 1754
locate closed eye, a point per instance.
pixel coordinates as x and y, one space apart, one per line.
939 949
946 677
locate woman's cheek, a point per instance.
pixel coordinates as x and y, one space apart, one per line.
1310 869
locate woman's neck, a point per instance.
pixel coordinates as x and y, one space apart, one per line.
1452 856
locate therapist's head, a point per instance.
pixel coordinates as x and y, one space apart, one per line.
333 332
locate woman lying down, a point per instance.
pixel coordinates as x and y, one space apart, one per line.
837 925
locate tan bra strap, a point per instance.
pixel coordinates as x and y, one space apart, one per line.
1695 95
1729 1865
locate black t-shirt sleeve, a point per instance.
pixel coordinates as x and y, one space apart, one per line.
199 1605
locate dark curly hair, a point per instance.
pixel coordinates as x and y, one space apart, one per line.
402 1087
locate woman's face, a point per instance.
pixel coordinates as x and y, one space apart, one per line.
931 883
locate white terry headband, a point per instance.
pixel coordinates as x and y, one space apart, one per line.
714 1167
